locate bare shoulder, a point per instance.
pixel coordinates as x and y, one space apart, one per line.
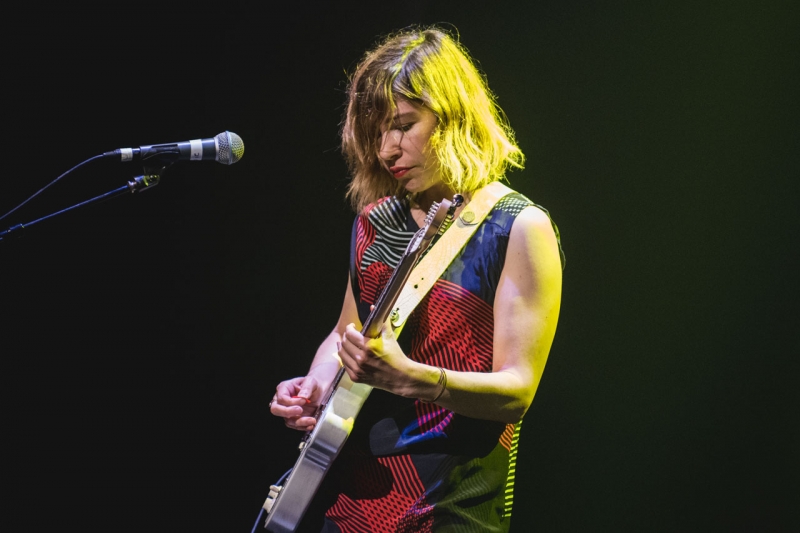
533 216
533 260
533 228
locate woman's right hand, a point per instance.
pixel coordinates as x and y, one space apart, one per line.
296 401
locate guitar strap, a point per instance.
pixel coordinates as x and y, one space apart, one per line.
441 254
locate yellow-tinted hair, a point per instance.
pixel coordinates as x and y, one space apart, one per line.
473 141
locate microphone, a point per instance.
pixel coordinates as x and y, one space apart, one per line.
227 148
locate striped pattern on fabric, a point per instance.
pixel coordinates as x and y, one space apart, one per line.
396 478
392 235
381 241
512 470
453 329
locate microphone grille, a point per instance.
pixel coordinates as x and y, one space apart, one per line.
230 147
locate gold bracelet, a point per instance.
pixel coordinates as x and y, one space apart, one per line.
442 382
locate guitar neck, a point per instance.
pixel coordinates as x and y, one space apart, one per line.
438 220
383 305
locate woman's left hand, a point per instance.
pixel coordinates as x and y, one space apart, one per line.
378 362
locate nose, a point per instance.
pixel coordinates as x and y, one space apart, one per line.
390 144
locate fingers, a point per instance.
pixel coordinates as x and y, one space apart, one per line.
296 412
305 423
353 337
282 403
293 398
287 408
306 390
353 346
349 352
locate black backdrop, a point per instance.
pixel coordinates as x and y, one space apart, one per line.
143 336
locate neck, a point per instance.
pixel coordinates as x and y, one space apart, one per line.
425 199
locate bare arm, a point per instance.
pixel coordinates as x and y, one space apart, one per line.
526 311
297 399
326 362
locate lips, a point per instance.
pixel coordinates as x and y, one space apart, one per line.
399 172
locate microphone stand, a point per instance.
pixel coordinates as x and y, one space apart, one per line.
148 180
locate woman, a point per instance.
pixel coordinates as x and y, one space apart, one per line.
434 446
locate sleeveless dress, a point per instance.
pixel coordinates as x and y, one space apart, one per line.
410 466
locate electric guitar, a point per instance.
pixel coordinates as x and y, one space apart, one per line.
287 503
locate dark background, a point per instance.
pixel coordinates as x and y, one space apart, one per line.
143 337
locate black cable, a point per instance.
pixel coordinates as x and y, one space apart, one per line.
51 183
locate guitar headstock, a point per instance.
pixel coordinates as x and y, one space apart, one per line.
439 217
435 218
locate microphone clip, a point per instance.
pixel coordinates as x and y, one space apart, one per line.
144 182
148 180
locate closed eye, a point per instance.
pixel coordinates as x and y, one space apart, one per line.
401 127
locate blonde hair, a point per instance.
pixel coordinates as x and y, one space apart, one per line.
473 141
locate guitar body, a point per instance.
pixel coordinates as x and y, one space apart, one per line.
287 504
318 452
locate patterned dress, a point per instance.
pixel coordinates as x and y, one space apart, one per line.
410 466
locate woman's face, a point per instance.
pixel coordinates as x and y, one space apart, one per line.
405 149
